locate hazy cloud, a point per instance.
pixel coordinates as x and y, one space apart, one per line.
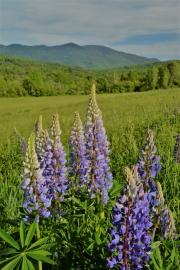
113 23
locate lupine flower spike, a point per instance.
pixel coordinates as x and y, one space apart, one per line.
177 149
130 238
164 217
79 168
22 142
97 152
33 180
148 166
41 138
55 168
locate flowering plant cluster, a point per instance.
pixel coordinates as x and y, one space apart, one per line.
139 212
50 176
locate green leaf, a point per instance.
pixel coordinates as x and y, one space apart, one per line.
46 246
81 228
78 202
30 265
12 264
156 244
38 252
7 260
6 237
116 190
24 264
158 254
90 246
39 242
22 233
30 233
155 264
8 251
97 238
41 258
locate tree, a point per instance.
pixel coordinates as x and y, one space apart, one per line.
152 78
164 76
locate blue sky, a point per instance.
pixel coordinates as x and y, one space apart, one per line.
146 28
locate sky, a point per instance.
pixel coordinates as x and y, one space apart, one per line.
146 28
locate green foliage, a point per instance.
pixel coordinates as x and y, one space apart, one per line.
22 77
23 256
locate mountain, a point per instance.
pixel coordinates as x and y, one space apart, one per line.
88 56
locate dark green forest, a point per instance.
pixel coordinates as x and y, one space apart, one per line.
21 77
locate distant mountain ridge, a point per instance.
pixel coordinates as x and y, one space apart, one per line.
88 56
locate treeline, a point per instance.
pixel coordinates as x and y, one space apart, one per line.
21 77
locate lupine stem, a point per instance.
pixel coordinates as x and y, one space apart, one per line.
38 237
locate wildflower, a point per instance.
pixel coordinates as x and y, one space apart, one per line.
78 163
177 150
22 142
164 217
130 238
54 167
33 180
97 152
41 138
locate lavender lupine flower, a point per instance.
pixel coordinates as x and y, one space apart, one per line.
177 149
55 168
97 152
41 138
22 142
32 180
148 166
130 238
79 167
165 218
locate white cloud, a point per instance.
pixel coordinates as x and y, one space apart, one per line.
87 22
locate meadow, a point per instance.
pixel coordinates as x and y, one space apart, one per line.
127 118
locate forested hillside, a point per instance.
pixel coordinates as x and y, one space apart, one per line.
89 56
22 77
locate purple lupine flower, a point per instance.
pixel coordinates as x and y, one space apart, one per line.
79 167
41 138
177 149
130 237
97 152
165 218
32 180
148 165
54 169
22 143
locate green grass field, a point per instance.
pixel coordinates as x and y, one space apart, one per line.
127 117
119 110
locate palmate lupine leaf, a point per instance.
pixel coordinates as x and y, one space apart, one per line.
22 234
30 234
6 237
23 256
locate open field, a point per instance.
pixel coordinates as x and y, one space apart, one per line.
138 109
127 117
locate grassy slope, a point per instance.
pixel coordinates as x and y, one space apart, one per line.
91 56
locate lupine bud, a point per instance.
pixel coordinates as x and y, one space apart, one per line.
165 217
33 180
54 167
79 166
130 238
97 152
41 138
177 149
22 142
